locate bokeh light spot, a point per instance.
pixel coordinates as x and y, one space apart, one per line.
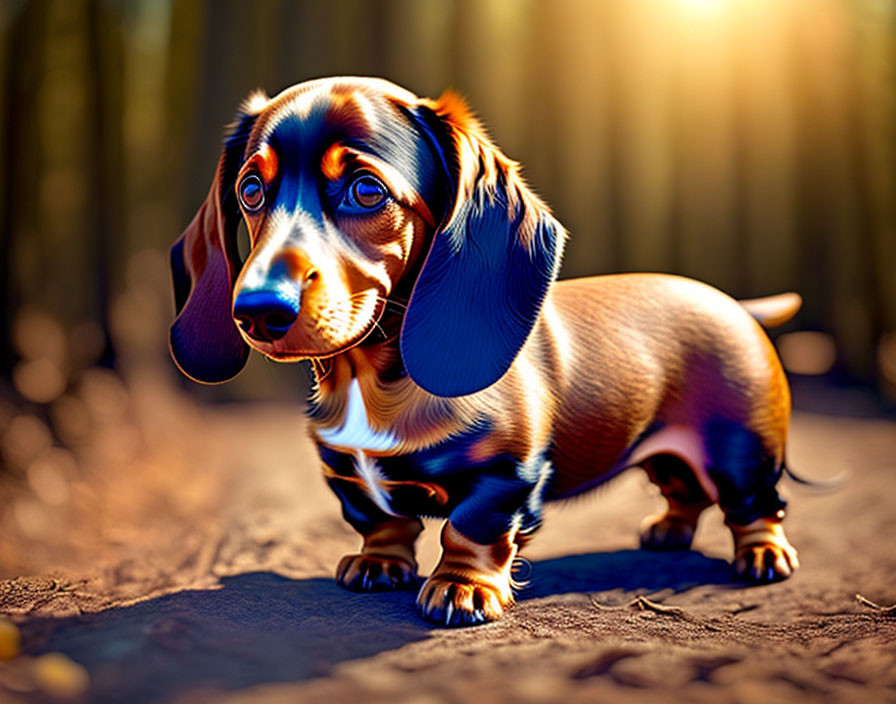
25 438
806 352
39 380
47 475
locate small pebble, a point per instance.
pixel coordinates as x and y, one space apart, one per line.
59 676
10 640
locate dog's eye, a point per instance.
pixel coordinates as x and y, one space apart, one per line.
251 192
367 192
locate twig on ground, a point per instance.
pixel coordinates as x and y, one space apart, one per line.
888 610
645 604
642 603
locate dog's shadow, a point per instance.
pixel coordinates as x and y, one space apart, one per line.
638 571
261 627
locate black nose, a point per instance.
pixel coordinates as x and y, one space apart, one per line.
266 314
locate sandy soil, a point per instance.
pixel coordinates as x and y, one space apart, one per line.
184 554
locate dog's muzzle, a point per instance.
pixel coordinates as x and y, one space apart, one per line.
266 314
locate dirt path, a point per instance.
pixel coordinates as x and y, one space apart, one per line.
191 562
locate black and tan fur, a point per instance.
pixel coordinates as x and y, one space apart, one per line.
452 376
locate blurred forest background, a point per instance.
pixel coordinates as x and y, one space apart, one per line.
747 143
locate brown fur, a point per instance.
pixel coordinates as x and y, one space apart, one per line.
610 359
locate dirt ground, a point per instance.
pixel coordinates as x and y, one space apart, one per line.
183 553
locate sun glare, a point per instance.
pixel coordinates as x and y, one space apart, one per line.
703 5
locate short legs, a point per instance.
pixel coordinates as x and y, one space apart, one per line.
386 560
762 552
673 529
472 582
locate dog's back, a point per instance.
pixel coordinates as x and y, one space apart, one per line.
633 353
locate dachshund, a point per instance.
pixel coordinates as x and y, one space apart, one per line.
398 253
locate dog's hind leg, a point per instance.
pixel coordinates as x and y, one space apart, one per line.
762 552
686 499
745 467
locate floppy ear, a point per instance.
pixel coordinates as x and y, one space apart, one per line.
205 263
489 266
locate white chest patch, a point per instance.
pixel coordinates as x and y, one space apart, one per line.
368 470
355 432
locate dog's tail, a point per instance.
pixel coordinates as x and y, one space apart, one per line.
773 310
822 485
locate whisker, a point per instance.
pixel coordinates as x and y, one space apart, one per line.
344 317
352 312
377 326
325 368
392 302
381 299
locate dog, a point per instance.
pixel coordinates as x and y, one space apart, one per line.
398 253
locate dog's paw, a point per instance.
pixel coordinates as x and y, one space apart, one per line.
666 532
373 573
762 552
765 562
461 601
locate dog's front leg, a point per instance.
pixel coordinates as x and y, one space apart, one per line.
472 582
386 560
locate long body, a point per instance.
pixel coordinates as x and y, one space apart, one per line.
398 252
572 411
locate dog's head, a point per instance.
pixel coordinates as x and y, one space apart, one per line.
354 190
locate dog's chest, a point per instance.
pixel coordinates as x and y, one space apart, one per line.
355 433
399 481
426 482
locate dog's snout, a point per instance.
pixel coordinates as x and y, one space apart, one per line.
266 314
293 264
